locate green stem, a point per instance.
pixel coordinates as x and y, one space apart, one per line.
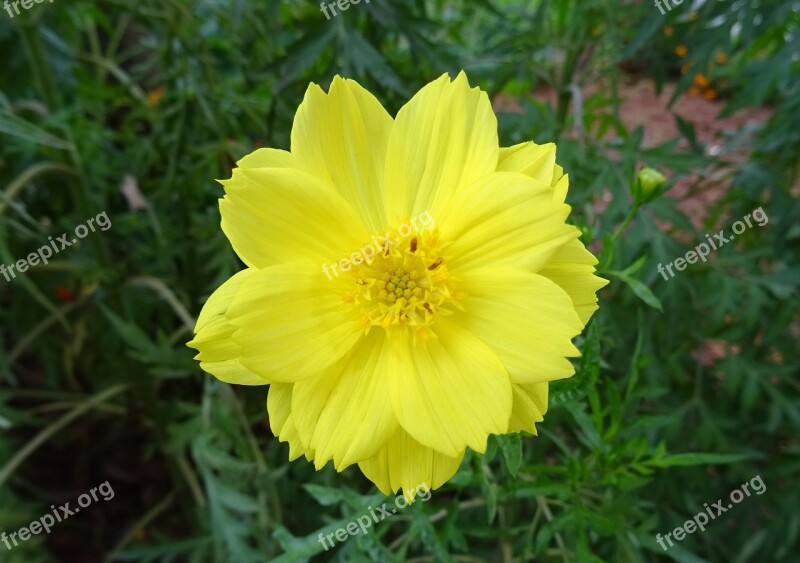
564 92
45 84
625 223
42 77
617 233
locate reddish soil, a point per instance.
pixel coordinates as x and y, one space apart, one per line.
641 105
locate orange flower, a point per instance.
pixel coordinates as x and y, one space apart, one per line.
685 68
154 96
667 31
710 94
701 80
694 91
681 51
721 58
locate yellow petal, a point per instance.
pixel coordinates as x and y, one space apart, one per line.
525 318
444 138
346 415
267 158
530 405
560 185
290 324
572 268
505 219
341 138
279 406
218 353
536 161
449 392
404 463
280 215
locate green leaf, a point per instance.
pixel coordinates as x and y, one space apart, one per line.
326 496
575 388
15 126
640 289
511 446
688 459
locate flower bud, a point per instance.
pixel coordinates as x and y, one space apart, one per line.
648 185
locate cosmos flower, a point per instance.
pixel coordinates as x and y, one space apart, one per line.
447 331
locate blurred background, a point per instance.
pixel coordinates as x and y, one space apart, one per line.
688 387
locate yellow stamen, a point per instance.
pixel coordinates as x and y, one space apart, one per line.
406 287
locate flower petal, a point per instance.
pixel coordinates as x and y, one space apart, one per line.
341 138
283 215
404 463
279 407
530 405
449 392
218 353
282 313
560 185
572 268
525 318
267 158
505 219
346 415
536 161
443 139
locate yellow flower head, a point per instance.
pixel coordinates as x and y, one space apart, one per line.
411 286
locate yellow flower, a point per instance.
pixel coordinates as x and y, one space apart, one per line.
411 286
681 51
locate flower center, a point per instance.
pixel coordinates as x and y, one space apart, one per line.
405 284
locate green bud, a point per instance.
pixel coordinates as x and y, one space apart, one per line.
648 185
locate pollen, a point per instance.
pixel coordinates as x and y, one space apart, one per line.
404 286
